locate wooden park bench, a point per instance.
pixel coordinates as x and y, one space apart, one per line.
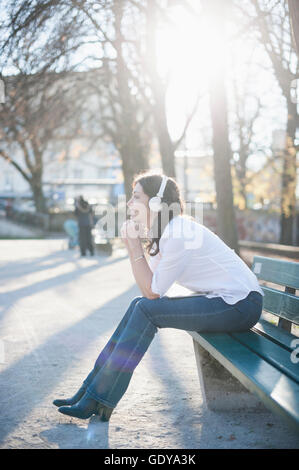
264 360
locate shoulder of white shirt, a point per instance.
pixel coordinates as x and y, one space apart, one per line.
182 227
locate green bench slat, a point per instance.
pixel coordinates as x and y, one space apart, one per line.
271 352
284 273
282 304
277 391
277 335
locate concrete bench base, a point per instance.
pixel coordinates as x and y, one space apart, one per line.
221 391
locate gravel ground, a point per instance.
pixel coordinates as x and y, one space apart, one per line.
57 312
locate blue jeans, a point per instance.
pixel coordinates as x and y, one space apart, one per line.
113 369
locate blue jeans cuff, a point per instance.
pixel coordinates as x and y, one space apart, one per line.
94 395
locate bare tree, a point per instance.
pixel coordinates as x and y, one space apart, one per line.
294 16
124 111
215 10
42 96
36 109
135 94
154 13
132 115
102 26
243 130
273 23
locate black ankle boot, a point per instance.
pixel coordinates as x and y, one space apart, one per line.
87 407
71 401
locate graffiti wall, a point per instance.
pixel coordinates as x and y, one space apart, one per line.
258 226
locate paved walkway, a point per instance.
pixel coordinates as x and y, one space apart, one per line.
56 312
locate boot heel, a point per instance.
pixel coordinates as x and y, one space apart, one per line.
104 412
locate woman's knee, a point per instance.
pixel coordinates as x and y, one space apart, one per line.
134 302
149 308
130 310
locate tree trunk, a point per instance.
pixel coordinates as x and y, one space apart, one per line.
159 93
131 146
226 222
241 175
288 180
294 17
165 143
224 193
243 194
38 196
133 162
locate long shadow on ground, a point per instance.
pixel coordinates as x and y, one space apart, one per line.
58 354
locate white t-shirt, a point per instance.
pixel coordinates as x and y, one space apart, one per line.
196 258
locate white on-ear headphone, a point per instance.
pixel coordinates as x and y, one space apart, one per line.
155 203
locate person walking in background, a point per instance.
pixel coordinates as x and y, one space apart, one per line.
84 214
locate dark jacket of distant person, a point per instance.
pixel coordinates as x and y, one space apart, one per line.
84 213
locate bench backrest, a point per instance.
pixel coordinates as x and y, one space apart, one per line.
282 303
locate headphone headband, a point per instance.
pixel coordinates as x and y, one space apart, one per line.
155 203
162 187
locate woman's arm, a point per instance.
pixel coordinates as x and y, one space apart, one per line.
141 270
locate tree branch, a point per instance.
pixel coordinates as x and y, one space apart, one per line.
15 164
188 121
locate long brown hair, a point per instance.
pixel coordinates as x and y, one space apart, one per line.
172 201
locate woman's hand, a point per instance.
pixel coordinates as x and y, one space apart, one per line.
130 235
123 235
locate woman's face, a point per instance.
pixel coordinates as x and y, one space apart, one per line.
138 208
